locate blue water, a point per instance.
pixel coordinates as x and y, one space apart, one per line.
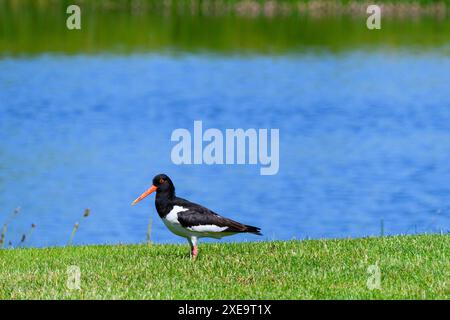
364 138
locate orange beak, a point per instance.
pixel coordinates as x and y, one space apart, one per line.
146 193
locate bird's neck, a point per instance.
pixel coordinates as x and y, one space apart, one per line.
163 202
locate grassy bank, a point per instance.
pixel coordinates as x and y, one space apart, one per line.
219 26
410 267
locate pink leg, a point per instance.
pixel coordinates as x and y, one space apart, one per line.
194 252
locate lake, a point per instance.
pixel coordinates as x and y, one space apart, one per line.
364 136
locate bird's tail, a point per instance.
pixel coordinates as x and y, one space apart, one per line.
252 229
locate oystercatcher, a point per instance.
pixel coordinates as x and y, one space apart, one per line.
190 220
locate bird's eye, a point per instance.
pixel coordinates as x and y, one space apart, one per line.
161 181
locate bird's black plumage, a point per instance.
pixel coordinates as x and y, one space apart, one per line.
193 214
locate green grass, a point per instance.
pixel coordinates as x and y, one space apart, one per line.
411 267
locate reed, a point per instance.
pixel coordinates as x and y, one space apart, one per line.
27 236
149 231
5 226
86 214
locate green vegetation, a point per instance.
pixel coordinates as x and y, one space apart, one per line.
411 267
218 26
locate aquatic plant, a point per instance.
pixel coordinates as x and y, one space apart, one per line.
149 231
5 225
27 236
77 225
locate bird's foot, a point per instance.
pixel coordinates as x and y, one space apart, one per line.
194 253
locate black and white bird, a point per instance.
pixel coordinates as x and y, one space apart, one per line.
190 220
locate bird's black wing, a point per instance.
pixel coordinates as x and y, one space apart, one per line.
197 215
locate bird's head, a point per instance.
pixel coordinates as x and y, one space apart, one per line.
161 184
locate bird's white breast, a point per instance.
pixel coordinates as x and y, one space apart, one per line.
172 223
172 216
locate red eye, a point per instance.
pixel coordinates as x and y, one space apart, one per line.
161 180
